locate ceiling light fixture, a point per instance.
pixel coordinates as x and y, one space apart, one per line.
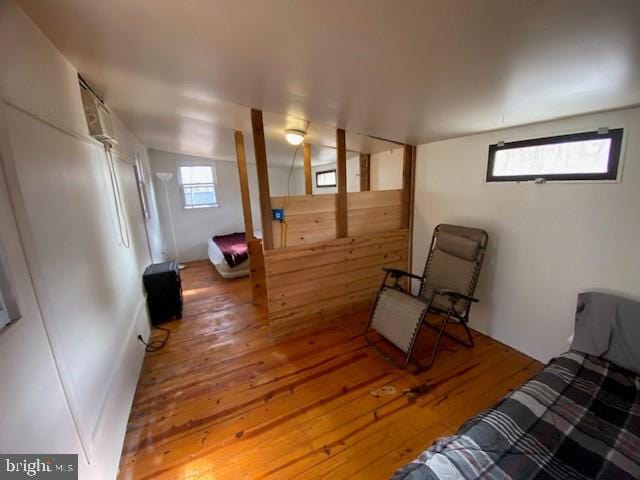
294 136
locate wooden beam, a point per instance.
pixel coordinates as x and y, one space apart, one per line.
308 186
365 163
407 175
256 255
257 126
341 197
257 272
244 185
412 202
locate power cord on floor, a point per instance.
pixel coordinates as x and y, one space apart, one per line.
155 345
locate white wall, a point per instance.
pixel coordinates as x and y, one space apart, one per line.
385 170
195 226
385 174
353 178
547 242
70 365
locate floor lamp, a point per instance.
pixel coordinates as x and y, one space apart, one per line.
165 177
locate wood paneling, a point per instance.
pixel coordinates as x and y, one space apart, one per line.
312 218
257 126
224 399
309 219
308 184
371 212
310 284
342 225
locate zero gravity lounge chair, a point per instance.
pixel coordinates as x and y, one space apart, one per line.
446 289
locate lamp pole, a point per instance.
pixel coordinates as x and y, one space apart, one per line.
165 177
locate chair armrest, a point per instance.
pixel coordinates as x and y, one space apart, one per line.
396 273
454 295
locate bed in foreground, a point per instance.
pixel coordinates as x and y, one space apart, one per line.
578 418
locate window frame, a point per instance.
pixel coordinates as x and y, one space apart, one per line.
213 185
335 173
613 164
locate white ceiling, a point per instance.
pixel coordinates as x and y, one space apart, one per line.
182 74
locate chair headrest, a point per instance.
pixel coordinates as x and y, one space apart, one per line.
457 245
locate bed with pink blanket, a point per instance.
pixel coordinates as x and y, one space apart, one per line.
229 254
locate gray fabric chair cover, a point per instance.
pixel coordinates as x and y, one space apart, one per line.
454 263
455 257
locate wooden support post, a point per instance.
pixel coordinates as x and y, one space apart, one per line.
365 162
308 186
256 255
407 175
411 187
257 272
263 178
412 202
341 197
244 185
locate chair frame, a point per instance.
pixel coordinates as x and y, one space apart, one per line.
451 316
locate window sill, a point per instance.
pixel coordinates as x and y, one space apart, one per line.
200 207
552 182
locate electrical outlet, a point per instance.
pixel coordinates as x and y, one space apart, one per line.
278 214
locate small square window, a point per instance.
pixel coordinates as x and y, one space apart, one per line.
198 186
326 178
580 156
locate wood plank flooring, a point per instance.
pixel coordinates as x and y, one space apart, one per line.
225 399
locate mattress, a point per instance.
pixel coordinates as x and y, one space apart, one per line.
577 419
217 259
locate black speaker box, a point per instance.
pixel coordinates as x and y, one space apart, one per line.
164 291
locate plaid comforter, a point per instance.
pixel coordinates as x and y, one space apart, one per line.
578 418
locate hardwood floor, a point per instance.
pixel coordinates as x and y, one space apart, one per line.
226 400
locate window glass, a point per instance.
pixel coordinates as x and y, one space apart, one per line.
198 186
584 156
326 178
591 156
196 174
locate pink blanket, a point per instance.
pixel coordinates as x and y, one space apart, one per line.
233 247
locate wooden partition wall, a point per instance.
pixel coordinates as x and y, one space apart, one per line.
325 260
312 218
317 276
315 282
309 219
371 212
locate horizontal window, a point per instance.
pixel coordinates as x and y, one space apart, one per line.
198 186
580 156
326 178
